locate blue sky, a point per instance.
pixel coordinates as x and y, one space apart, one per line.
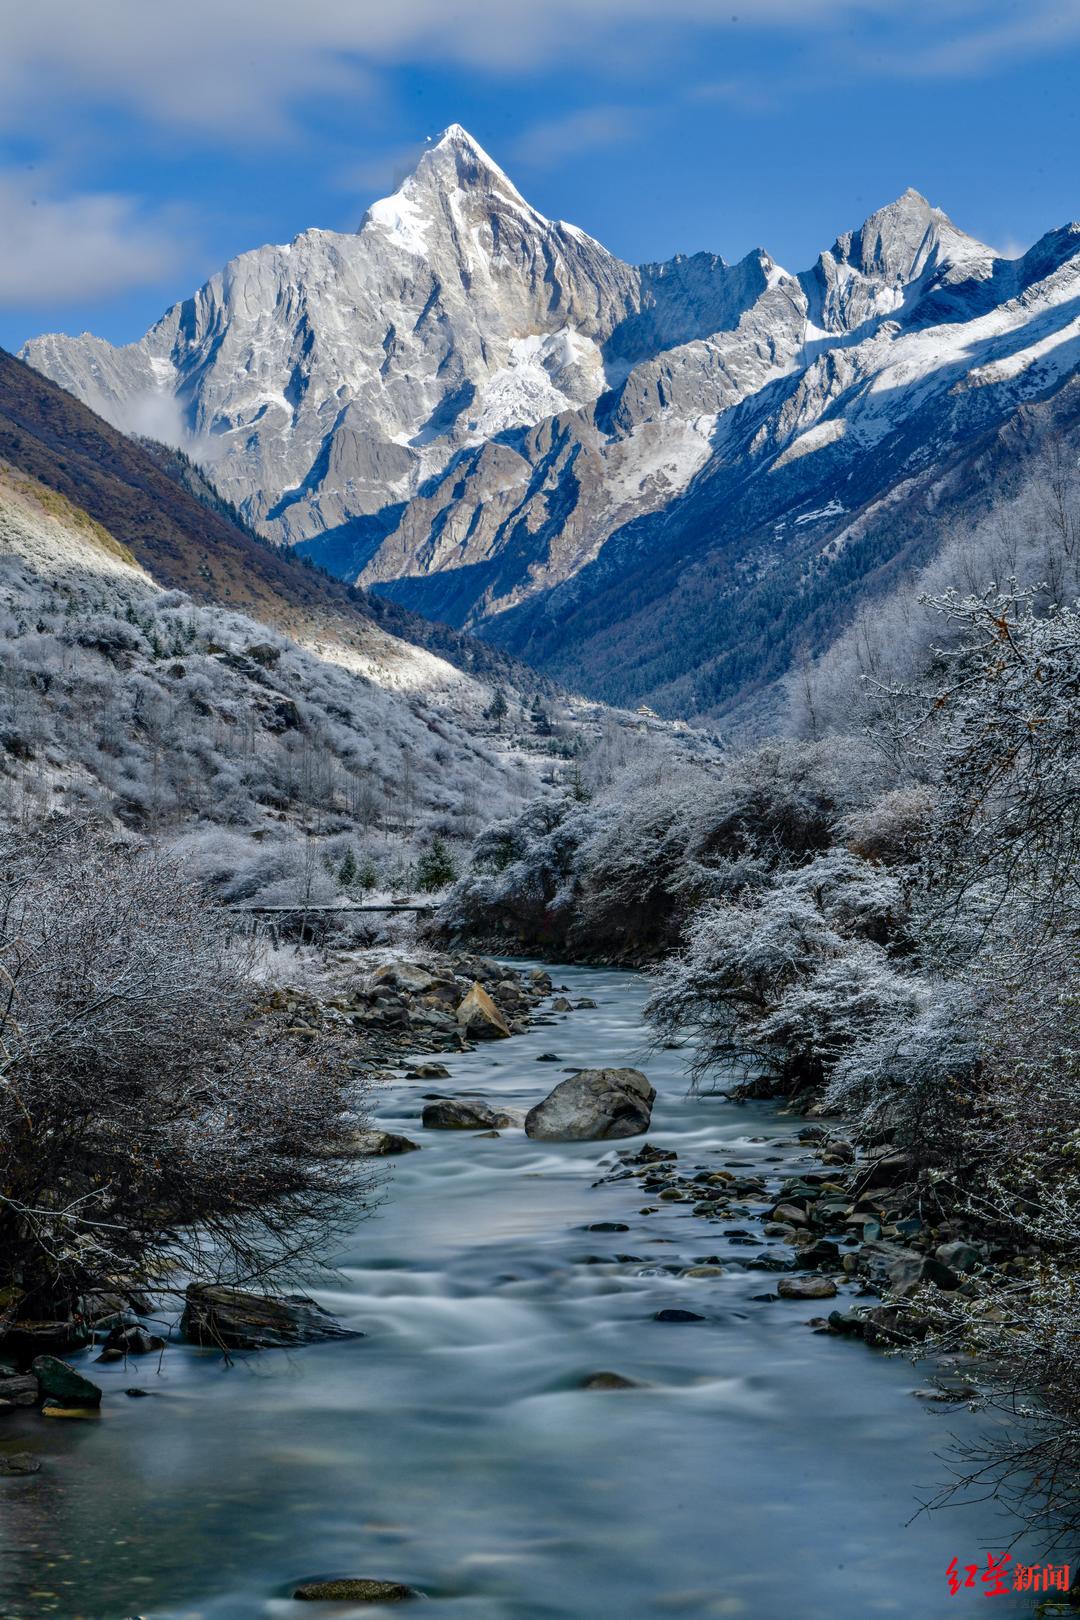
141 145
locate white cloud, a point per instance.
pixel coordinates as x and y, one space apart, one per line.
382 172
1039 28
86 245
734 93
1011 248
555 139
237 69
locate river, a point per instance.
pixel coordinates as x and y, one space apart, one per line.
764 1471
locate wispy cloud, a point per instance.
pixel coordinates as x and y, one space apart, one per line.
85 245
381 172
735 93
241 70
556 139
1031 30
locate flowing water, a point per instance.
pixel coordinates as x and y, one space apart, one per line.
763 1471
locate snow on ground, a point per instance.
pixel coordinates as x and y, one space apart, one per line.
833 509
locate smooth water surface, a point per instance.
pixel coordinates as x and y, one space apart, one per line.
765 1471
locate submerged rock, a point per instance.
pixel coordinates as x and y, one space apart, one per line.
354 1591
130 1340
609 1380
670 1314
379 1145
227 1319
594 1105
63 1384
19 1462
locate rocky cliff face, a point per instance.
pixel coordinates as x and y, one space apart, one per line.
325 379
485 415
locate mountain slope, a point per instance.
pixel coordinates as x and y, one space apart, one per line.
195 722
652 480
187 545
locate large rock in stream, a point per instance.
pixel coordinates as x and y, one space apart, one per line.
228 1319
593 1106
480 1016
461 1114
63 1384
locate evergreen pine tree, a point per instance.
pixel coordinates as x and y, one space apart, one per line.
348 872
435 868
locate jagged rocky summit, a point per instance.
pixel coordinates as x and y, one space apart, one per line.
651 479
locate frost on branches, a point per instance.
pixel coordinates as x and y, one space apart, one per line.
150 1119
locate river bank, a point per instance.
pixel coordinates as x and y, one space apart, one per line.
759 1469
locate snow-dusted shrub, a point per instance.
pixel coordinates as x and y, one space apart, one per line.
150 1120
911 1077
524 879
779 983
894 828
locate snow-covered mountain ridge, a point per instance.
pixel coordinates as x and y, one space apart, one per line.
485 415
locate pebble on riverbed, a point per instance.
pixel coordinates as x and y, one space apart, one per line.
456 1114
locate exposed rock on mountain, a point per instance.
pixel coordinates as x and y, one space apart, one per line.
637 475
332 374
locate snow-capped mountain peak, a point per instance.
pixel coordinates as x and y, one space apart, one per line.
453 175
890 263
901 241
482 412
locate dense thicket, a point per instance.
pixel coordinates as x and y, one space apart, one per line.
152 1122
617 872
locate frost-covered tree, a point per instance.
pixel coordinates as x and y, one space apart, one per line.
620 874
778 983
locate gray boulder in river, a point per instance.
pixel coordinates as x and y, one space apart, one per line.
458 1114
592 1106
229 1319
